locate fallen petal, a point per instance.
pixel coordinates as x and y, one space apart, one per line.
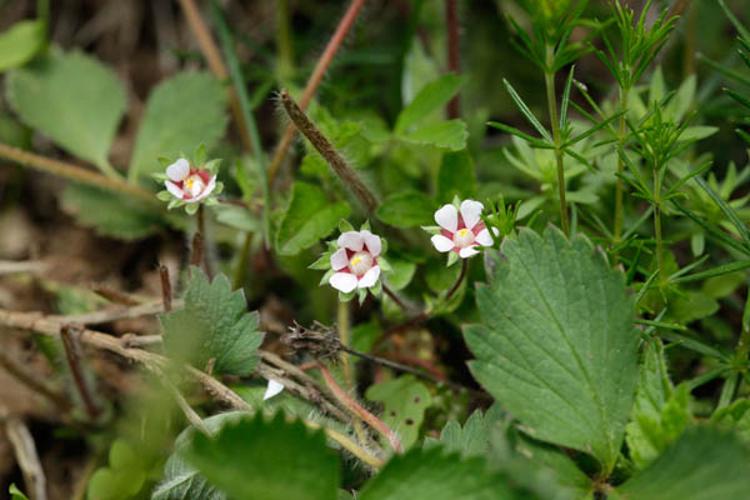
272 389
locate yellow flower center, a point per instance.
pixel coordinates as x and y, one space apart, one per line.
360 263
463 238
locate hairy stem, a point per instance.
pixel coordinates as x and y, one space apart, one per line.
343 327
395 298
313 82
549 82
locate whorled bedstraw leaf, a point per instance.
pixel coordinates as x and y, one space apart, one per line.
270 459
556 343
433 475
21 42
309 218
405 400
704 464
407 209
72 98
213 325
110 214
182 112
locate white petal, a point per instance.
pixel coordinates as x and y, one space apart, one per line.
484 238
352 240
178 170
370 277
373 243
470 212
467 252
208 189
272 389
441 243
339 260
174 190
343 282
447 217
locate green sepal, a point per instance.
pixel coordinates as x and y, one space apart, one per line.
432 229
366 226
346 297
213 165
164 162
385 266
452 258
323 263
326 277
345 225
191 208
164 195
199 156
361 295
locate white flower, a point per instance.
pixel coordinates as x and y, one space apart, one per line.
273 389
462 230
189 184
356 261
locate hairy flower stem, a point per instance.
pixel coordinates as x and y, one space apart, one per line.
459 280
549 81
342 169
316 77
343 327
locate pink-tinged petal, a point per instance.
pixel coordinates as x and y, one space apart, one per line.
343 282
272 389
370 277
372 242
441 243
208 189
484 238
179 170
174 190
352 240
470 212
339 260
447 217
467 252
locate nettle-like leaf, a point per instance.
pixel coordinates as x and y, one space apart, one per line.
270 459
407 209
110 214
405 400
213 325
473 438
433 475
556 344
704 464
182 112
21 42
72 98
309 218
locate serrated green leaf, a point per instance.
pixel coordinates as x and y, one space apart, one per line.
213 324
273 460
735 417
449 134
431 98
704 464
473 438
72 98
407 209
309 218
110 214
405 400
556 343
456 177
432 475
181 113
21 42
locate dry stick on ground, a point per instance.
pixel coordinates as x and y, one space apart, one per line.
75 173
26 456
115 296
454 54
26 266
358 411
69 334
40 324
311 87
34 382
114 313
216 65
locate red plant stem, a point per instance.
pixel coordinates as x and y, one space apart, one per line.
356 409
166 288
454 288
313 82
454 57
69 336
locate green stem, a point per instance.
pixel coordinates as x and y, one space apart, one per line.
549 81
657 226
343 327
620 184
284 41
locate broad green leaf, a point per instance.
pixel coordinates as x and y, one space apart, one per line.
402 272
433 96
269 459
21 42
181 113
309 218
110 214
407 209
556 344
704 464
72 98
122 478
456 177
405 400
449 134
213 325
432 475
